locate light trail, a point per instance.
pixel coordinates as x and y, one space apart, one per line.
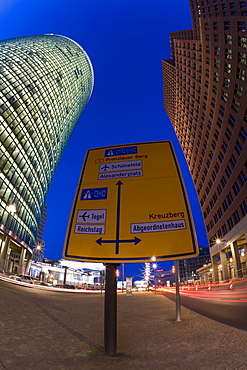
231 296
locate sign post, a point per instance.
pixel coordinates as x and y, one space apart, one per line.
111 310
177 281
130 205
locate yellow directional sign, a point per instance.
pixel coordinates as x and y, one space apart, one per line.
130 205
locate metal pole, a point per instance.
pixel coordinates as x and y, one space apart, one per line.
65 275
101 281
177 280
154 282
122 277
110 310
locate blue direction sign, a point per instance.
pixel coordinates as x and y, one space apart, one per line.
94 194
121 151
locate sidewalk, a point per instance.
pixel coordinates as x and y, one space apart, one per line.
62 331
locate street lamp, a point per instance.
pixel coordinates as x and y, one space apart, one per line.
219 241
154 268
11 208
38 252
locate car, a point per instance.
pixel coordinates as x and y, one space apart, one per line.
15 277
43 283
68 286
23 278
26 279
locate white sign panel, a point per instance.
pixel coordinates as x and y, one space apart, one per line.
89 229
120 166
118 175
86 216
154 227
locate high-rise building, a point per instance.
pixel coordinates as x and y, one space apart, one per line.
205 94
164 278
45 83
38 251
188 267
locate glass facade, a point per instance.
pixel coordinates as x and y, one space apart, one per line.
45 83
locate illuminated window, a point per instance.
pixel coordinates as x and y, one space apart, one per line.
224 96
228 68
235 105
228 39
216 50
45 84
243 42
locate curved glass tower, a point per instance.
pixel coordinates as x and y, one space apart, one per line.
45 83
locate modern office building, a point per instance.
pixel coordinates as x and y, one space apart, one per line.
45 83
188 267
205 95
164 278
69 274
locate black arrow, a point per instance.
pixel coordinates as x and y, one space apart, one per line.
119 184
136 240
117 241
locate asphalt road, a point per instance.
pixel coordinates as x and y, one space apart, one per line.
227 307
47 329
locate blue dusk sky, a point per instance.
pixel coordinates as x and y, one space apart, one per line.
126 41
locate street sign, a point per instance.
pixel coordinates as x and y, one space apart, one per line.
130 205
94 194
